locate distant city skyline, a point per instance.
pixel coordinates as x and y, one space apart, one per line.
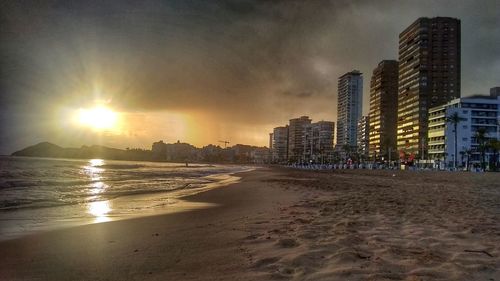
204 71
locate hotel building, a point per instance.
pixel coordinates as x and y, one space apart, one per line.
429 76
383 109
349 106
363 135
296 130
478 112
279 145
318 141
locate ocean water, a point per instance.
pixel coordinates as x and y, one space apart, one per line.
41 193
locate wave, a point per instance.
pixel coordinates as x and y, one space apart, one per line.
12 205
158 176
43 183
72 198
39 184
121 166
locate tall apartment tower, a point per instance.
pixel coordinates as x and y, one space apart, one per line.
296 130
349 106
318 141
279 143
429 76
383 109
363 140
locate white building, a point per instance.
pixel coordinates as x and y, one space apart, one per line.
349 107
477 112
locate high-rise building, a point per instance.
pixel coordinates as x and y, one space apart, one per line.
495 92
270 156
349 106
296 130
279 143
429 76
475 112
383 109
318 141
363 135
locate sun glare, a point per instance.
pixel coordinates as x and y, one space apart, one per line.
99 118
99 210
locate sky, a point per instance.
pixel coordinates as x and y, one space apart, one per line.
205 71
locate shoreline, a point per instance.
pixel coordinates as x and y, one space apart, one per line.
120 208
152 247
181 164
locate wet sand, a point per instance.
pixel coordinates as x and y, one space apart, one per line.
282 224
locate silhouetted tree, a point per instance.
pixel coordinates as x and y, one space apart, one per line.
482 145
494 144
455 119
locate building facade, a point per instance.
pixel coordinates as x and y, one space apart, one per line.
296 130
383 109
363 135
495 92
429 76
318 141
279 143
159 151
477 112
349 107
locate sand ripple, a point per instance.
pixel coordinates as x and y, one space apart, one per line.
368 225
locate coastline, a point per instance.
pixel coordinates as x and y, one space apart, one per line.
285 224
120 208
175 246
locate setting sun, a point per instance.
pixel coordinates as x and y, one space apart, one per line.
99 118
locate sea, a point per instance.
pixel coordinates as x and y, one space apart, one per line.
40 194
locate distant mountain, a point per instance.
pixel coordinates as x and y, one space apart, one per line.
43 149
47 149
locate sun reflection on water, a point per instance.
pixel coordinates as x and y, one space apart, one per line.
98 187
96 162
94 169
98 209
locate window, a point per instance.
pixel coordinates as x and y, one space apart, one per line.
465 126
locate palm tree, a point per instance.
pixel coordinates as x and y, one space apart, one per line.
494 144
462 155
468 153
454 119
347 150
482 145
336 157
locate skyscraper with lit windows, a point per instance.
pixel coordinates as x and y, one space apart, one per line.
429 76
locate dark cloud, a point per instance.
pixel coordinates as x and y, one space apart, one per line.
253 62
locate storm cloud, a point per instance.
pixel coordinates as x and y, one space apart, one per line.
248 65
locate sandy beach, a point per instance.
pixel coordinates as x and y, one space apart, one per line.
283 224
